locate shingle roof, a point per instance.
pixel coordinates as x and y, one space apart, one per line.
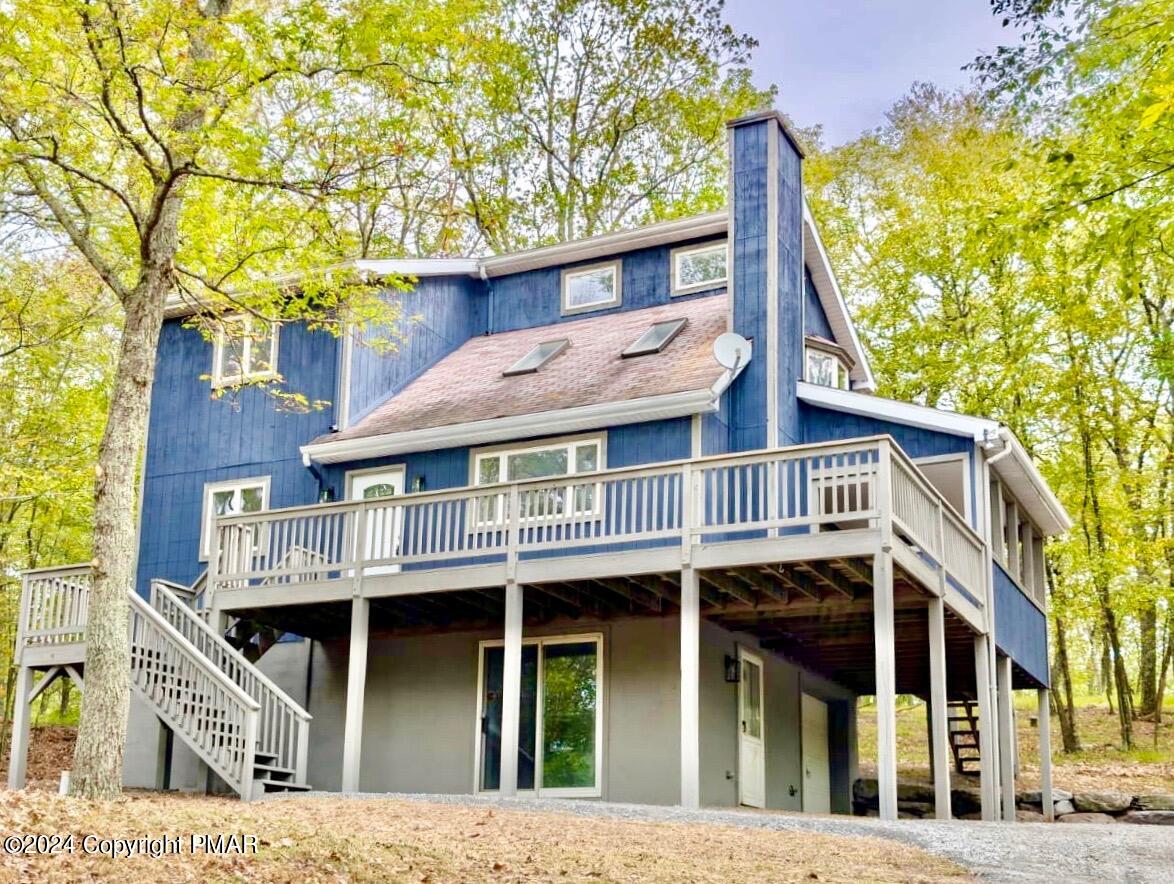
467 385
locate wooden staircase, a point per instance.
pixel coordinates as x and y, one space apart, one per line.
965 745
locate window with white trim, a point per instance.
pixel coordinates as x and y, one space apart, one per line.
696 268
591 288
570 457
230 498
245 349
826 368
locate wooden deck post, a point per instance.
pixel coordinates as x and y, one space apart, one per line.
1006 737
18 751
886 683
356 686
1045 754
987 736
690 689
938 709
511 690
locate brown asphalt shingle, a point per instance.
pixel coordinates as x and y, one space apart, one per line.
467 385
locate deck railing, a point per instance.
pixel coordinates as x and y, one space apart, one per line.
808 488
54 605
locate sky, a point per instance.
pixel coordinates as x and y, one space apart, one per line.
843 63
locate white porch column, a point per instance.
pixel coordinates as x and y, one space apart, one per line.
690 690
1006 737
939 711
511 690
19 745
356 687
987 736
1045 754
886 683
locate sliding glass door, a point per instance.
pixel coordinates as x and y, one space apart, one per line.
561 726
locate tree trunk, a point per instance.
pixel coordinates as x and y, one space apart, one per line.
1147 671
1166 662
1065 707
63 707
101 736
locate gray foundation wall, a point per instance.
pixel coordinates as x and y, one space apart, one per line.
420 720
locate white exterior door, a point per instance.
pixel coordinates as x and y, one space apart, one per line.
817 787
384 526
751 739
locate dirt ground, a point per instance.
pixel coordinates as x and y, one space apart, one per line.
333 839
50 752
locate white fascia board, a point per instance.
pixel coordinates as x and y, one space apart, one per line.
1030 488
833 303
712 224
867 405
419 267
506 429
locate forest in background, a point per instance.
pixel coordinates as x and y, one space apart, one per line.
1006 250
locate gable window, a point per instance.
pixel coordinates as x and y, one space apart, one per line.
658 336
591 288
537 357
696 268
245 350
231 498
826 366
570 457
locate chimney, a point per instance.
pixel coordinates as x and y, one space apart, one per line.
766 285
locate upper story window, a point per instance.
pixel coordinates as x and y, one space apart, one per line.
245 350
658 336
696 268
569 457
230 498
827 365
591 288
537 357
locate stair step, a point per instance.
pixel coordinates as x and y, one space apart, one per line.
272 769
283 786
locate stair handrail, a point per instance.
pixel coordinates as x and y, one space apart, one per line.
232 757
284 724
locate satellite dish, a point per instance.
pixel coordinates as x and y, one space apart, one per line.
731 350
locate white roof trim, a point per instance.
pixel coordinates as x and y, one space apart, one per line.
661 233
1017 469
832 301
544 423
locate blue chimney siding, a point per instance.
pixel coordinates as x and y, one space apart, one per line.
194 439
790 294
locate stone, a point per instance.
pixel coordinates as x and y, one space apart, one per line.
1036 797
1086 818
865 790
1154 802
1149 817
1029 816
921 792
1102 802
1064 807
965 800
917 808
969 816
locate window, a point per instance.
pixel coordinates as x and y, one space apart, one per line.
591 288
696 268
567 458
560 734
537 358
230 498
245 350
826 368
658 336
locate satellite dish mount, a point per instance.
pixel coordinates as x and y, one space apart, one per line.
732 351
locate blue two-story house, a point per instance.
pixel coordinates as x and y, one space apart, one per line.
618 518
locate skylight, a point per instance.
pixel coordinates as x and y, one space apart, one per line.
537 357
656 338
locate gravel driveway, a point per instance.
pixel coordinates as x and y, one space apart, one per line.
1018 852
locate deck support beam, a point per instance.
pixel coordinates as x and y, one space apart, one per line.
938 709
690 689
511 690
1006 737
886 684
1045 753
18 752
356 688
987 736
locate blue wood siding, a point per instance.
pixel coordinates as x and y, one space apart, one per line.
790 293
1021 629
815 321
533 298
436 317
194 439
825 425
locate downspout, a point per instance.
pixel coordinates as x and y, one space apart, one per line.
1003 435
489 327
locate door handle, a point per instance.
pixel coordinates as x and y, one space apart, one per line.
743 727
